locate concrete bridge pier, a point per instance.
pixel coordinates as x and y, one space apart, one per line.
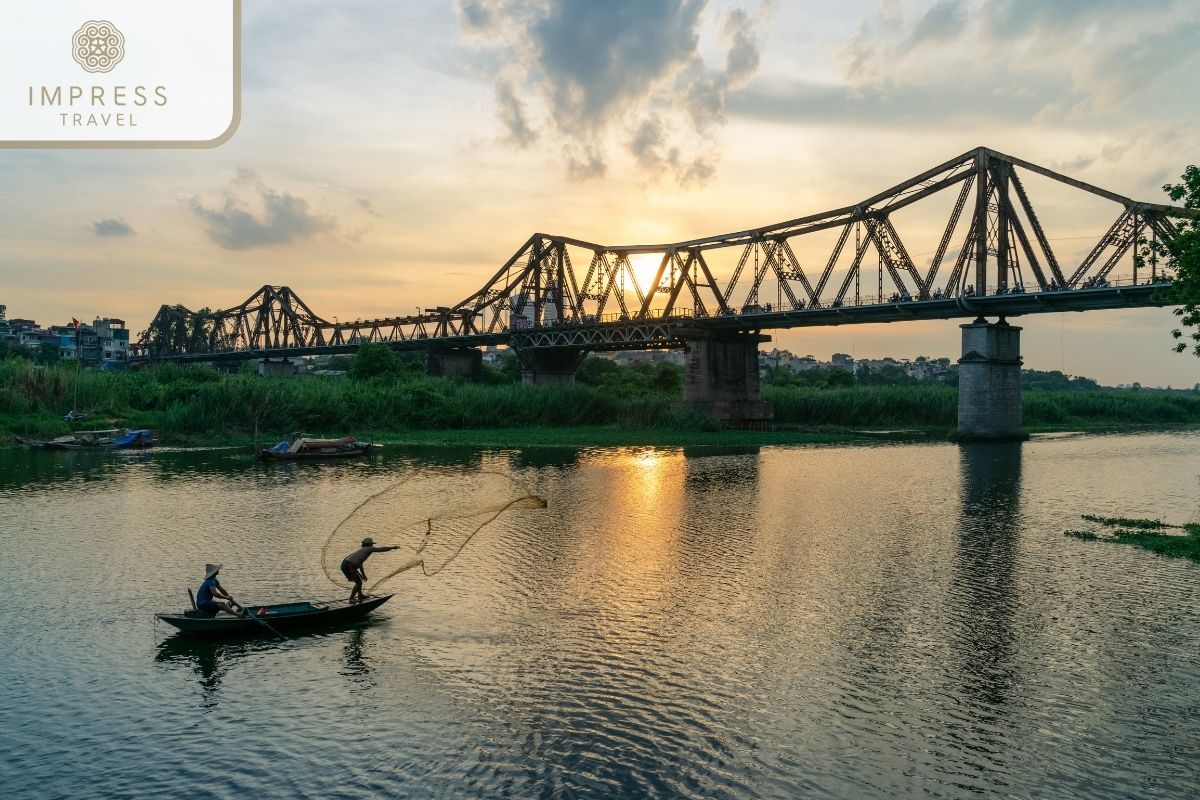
720 378
455 362
989 383
283 368
546 366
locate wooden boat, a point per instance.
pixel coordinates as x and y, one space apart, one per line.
304 449
82 440
109 439
280 617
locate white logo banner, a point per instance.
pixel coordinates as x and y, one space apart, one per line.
120 73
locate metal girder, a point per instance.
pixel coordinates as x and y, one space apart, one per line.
538 287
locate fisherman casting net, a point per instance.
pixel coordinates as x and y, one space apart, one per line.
431 514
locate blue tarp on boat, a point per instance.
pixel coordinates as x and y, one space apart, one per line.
138 438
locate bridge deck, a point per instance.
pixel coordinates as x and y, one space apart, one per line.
640 334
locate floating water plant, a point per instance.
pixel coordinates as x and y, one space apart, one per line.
1150 534
1128 522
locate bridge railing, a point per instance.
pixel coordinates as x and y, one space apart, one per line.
611 318
861 300
990 291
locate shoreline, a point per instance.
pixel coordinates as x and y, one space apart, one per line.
583 436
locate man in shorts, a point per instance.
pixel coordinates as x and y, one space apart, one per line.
352 566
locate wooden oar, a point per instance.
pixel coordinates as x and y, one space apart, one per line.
257 619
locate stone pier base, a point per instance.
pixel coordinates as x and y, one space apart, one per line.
550 367
720 379
989 383
282 368
465 363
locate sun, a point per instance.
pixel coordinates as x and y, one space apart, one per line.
645 267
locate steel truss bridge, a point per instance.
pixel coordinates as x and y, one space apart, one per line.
994 258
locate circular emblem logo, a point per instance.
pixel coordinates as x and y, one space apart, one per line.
98 46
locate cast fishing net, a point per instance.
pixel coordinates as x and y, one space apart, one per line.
431 514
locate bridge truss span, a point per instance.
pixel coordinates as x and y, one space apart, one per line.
990 250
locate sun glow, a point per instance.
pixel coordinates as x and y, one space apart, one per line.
645 267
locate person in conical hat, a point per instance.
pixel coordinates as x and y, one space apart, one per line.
212 596
352 566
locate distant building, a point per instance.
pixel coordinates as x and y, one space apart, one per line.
103 343
630 357
112 339
493 355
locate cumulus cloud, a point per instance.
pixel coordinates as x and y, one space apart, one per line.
254 215
592 76
113 227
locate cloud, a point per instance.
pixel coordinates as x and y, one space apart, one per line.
367 207
649 148
254 215
477 15
585 164
113 227
1137 63
1085 58
512 116
944 20
1007 19
590 75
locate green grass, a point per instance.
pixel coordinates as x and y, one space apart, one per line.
198 405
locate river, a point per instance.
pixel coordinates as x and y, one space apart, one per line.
809 621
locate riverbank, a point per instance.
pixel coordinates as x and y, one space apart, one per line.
199 406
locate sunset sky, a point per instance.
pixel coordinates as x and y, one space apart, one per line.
392 155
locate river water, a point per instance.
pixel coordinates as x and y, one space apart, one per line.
834 621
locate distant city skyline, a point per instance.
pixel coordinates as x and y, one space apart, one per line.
392 156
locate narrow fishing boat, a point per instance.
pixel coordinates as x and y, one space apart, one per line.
83 440
272 618
108 439
303 449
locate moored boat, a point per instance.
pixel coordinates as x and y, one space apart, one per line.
305 448
268 619
108 439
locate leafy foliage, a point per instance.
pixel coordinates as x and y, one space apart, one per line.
1182 260
374 359
632 381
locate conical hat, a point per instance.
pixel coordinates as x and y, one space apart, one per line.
210 570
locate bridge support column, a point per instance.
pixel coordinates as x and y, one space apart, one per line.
283 368
989 382
720 378
550 366
465 363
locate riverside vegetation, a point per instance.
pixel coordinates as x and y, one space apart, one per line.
1150 534
389 397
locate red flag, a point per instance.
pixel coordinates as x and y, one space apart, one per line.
75 322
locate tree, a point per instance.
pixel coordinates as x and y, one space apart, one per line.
668 379
594 370
839 379
9 351
48 353
372 359
1182 260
